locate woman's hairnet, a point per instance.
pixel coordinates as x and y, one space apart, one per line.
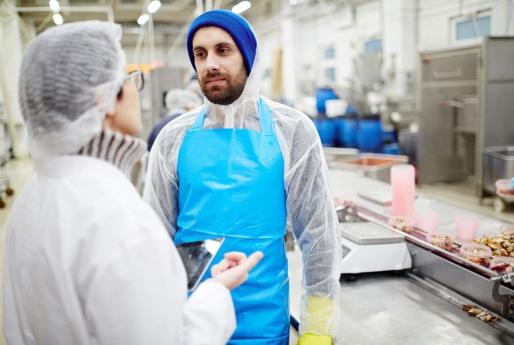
182 99
70 76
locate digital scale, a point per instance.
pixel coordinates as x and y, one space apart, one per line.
368 247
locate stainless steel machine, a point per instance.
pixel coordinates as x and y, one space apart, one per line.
465 105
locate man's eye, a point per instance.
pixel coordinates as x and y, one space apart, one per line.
223 50
199 54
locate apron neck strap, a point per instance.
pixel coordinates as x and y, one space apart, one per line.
199 119
265 118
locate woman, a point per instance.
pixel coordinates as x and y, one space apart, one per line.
87 262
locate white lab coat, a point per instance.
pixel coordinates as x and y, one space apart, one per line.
88 262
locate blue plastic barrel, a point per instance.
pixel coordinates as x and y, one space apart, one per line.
369 134
391 149
388 137
339 124
322 95
349 130
327 131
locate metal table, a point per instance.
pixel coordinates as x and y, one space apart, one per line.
387 309
383 308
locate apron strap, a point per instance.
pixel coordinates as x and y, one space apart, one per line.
199 119
265 118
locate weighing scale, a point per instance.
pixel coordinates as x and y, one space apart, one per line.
368 247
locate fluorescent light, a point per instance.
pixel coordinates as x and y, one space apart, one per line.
57 19
241 7
54 6
153 6
143 19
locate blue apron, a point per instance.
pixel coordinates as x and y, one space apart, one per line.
231 184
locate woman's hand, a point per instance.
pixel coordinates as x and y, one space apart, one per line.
233 270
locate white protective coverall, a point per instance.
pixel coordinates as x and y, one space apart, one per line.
88 262
310 209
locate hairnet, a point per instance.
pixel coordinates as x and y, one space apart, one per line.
183 99
70 76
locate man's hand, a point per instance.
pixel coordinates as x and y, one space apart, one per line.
313 339
233 270
319 315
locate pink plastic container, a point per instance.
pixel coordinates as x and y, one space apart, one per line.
427 220
404 190
466 226
504 186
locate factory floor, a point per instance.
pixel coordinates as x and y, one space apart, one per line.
20 170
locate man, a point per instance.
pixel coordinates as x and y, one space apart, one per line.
239 168
178 101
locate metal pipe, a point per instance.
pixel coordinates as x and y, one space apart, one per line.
47 20
509 17
63 9
152 40
199 6
180 36
139 45
110 13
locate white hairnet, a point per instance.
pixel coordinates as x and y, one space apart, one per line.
182 99
70 76
313 219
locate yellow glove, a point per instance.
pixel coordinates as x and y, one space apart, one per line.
313 339
319 315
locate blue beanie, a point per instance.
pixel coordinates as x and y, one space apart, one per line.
235 25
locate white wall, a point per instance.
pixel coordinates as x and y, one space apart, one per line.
303 38
434 20
405 26
10 62
399 40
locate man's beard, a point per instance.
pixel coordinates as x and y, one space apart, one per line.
226 94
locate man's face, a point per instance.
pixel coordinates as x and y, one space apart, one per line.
219 65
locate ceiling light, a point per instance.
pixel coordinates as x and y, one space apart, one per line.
57 18
241 7
143 19
153 6
54 6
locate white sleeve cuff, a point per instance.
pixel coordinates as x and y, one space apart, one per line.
209 316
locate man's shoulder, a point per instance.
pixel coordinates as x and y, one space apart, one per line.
174 129
181 122
289 115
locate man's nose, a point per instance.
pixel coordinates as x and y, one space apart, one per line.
212 62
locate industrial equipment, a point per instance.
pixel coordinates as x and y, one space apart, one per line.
443 270
465 100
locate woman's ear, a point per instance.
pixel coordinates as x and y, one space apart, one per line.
119 97
110 116
110 113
